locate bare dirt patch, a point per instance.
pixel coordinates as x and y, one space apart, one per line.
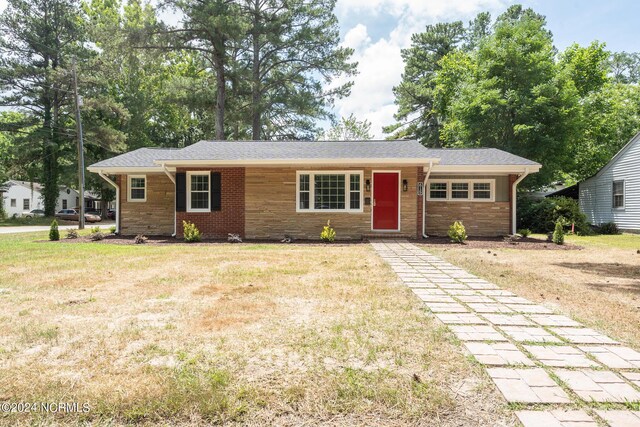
525 243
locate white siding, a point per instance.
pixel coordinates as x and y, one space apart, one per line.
20 192
596 193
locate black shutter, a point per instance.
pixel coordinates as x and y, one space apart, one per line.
181 192
216 193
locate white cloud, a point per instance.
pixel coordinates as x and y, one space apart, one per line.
356 36
379 62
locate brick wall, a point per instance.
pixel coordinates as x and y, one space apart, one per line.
153 216
271 207
479 218
231 217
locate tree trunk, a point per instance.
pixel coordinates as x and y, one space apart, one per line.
49 157
218 61
256 112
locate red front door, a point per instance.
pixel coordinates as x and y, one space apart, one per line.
385 200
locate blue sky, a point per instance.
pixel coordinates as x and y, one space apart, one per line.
378 29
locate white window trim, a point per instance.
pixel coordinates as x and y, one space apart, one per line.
129 199
470 182
189 175
624 191
347 189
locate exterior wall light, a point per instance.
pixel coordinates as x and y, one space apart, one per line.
405 185
367 185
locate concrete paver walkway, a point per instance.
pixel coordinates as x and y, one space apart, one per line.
532 355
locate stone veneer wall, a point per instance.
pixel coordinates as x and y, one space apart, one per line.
153 216
271 207
479 218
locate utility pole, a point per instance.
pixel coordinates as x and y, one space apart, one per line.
80 149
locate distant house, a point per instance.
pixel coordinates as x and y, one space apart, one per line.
613 194
24 196
266 189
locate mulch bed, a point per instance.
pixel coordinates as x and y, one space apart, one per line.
526 243
439 242
164 240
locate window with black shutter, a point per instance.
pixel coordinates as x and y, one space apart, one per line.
181 192
216 191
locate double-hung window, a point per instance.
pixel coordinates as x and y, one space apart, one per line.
25 204
137 188
198 194
438 190
459 190
618 194
329 191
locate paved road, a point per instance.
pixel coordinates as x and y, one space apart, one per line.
34 228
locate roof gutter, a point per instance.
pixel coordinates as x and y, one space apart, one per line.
424 202
106 178
514 199
175 219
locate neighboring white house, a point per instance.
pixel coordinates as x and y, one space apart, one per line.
613 194
23 196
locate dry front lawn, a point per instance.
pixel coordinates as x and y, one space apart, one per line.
240 334
598 285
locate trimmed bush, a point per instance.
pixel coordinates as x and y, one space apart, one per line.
558 233
608 228
191 232
457 232
96 236
54 234
140 239
328 234
112 229
540 216
95 229
524 232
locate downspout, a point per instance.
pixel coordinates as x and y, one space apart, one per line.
514 200
175 219
106 178
424 202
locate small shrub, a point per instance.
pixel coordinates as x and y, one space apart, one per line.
97 236
457 232
558 233
524 232
608 228
328 234
540 216
140 239
112 229
191 232
234 238
54 234
95 229
71 234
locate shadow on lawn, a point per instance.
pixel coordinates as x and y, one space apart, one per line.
611 269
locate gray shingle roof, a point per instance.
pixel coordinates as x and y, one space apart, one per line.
142 157
303 150
248 151
477 156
